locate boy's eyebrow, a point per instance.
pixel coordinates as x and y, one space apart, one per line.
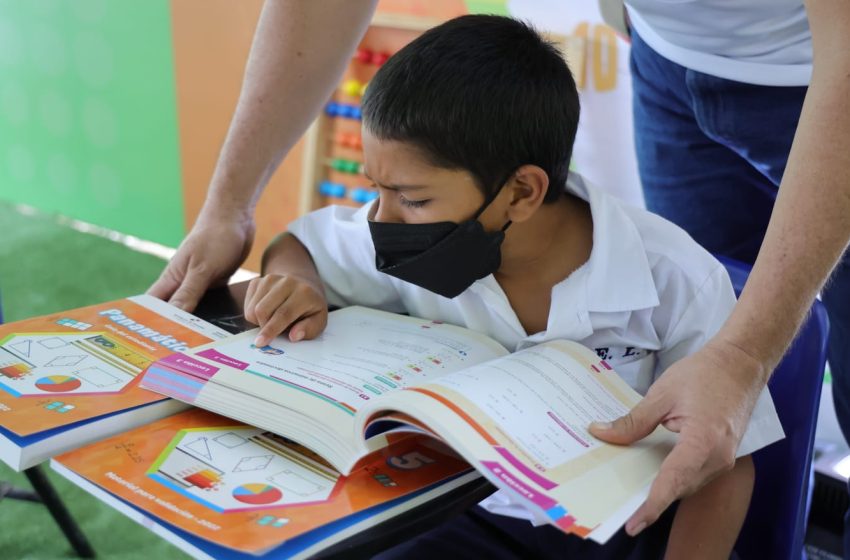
395 187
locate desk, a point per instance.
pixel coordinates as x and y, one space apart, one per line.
223 308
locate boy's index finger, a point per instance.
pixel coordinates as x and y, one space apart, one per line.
288 312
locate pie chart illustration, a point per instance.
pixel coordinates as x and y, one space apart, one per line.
257 493
58 383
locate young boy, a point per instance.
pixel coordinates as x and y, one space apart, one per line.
467 135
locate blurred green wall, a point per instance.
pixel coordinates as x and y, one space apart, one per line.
88 123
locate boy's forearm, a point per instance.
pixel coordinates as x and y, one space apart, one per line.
299 52
810 225
707 523
286 255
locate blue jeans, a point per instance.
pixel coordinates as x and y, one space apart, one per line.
711 153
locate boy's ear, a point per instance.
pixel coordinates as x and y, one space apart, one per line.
527 188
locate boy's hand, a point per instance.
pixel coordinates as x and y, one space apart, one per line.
278 302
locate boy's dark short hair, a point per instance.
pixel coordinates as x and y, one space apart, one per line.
481 93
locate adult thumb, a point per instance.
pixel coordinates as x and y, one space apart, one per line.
637 424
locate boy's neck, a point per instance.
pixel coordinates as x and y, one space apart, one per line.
549 247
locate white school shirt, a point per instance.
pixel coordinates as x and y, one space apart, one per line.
763 42
648 296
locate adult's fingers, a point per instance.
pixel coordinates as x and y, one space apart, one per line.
682 472
637 424
165 285
191 290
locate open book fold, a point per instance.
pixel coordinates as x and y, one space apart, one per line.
519 418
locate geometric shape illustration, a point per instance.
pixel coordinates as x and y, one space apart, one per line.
230 440
218 468
97 376
14 371
294 482
53 343
257 493
257 463
58 383
95 369
23 347
203 479
200 447
65 361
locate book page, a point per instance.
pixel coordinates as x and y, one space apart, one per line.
522 420
362 355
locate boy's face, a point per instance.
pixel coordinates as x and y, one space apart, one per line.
414 191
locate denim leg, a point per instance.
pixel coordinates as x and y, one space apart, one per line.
703 186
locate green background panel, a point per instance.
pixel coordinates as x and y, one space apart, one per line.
498 7
88 123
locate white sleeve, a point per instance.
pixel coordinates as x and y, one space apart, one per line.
701 319
338 240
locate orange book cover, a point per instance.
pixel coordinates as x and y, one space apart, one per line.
77 365
247 489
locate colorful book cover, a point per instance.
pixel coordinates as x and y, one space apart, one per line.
247 489
77 365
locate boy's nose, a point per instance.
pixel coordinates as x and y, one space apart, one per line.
385 212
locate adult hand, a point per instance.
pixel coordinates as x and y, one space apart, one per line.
708 398
207 257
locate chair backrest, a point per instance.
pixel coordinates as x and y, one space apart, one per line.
775 527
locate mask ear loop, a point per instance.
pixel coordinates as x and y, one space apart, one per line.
492 197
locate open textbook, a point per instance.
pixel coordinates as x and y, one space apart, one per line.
71 377
220 489
520 419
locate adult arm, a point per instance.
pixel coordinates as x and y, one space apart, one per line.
299 52
709 396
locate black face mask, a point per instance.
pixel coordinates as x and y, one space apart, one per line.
442 257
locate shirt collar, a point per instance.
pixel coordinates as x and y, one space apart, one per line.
619 276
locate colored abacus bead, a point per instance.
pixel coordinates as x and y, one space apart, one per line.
379 58
353 112
334 190
349 140
351 88
333 109
352 166
355 141
363 195
363 89
363 55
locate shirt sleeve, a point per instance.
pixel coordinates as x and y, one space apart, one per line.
338 240
701 320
